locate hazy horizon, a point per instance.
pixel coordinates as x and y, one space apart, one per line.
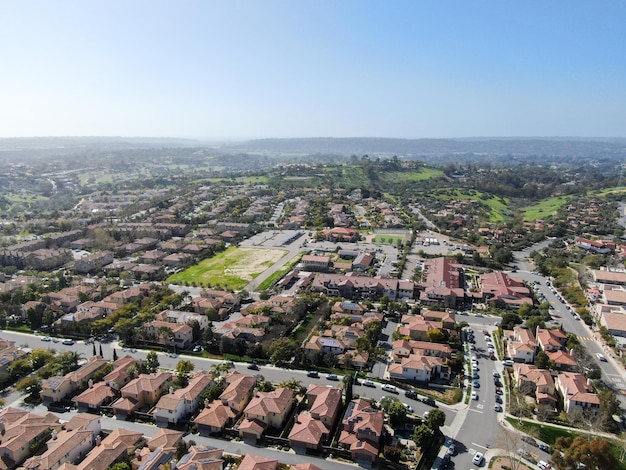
243 70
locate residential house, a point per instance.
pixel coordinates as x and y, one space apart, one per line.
362 430
96 396
214 418
55 389
114 448
141 393
563 360
528 377
255 462
238 391
159 452
182 403
418 368
169 334
308 432
577 393
64 446
551 340
119 376
201 458
521 344
269 409
20 430
316 263
324 403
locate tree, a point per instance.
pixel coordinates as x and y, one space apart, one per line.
593 453
183 369
397 413
386 402
152 362
422 435
281 350
393 454
542 360
435 335
510 441
291 384
114 354
436 419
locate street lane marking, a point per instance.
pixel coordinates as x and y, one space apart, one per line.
478 445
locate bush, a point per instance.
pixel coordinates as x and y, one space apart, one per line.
392 453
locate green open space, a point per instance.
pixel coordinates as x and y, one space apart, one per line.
498 207
544 208
230 269
423 174
387 239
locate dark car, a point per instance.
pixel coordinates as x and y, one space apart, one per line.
530 440
253 366
313 374
545 447
429 401
498 399
497 383
411 394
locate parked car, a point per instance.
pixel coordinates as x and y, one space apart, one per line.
601 357
476 384
313 374
389 388
497 407
508 363
530 440
408 408
197 348
474 396
545 447
46 339
498 399
411 394
253 366
429 401
368 383
478 458
68 342
332 377
496 374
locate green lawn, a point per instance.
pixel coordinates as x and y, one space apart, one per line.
230 269
388 239
423 174
544 208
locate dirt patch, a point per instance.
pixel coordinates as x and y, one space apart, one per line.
247 262
502 463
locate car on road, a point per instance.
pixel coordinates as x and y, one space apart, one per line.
451 450
368 383
498 399
46 339
499 390
474 396
429 401
545 447
197 348
68 342
476 384
172 354
530 440
408 408
332 377
253 366
497 407
496 374
313 373
411 394
478 458
598 355
389 388
543 465
475 375
426 414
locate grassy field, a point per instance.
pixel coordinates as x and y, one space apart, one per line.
422 174
387 239
544 208
231 269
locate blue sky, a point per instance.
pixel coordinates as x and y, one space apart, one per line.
237 69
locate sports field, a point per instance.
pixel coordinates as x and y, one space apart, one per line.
231 269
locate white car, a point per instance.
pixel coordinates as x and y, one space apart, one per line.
474 396
478 458
389 388
46 339
368 383
601 357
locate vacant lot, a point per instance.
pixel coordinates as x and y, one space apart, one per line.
231 269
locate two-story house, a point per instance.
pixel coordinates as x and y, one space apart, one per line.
182 403
269 409
141 393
